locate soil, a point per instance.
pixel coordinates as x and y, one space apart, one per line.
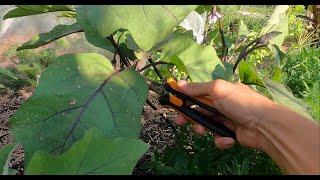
9 103
156 130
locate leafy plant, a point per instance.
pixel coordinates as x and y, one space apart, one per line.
302 70
87 103
197 155
313 100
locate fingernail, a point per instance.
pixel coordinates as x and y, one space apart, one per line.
179 120
182 83
228 141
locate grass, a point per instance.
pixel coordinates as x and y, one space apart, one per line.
313 101
301 75
302 70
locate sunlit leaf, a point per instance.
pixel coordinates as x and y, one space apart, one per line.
201 62
248 75
148 25
45 38
27 10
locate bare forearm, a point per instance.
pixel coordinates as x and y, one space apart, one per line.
291 140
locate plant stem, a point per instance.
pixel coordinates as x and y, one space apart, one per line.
123 59
154 86
155 68
151 105
151 64
223 39
245 53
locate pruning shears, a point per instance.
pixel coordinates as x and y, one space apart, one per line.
171 95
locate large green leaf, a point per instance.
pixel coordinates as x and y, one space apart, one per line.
77 92
5 153
93 154
91 33
7 72
45 38
27 10
282 95
201 62
248 75
278 22
148 25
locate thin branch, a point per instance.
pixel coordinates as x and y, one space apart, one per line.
151 105
117 50
155 68
116 47
223 39
151 64
154 86
60 112
169 123
245 53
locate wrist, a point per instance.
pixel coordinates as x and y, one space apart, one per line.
285 135
265 118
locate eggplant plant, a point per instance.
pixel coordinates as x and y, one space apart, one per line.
84 116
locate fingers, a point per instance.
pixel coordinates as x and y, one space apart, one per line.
214 91
197 128
241 85
180 120
223 142
217 89
195 89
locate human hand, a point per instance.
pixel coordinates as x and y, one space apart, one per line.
243 107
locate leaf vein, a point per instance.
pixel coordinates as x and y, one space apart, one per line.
92 97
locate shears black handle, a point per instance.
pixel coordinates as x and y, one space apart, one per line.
200 118
180 104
